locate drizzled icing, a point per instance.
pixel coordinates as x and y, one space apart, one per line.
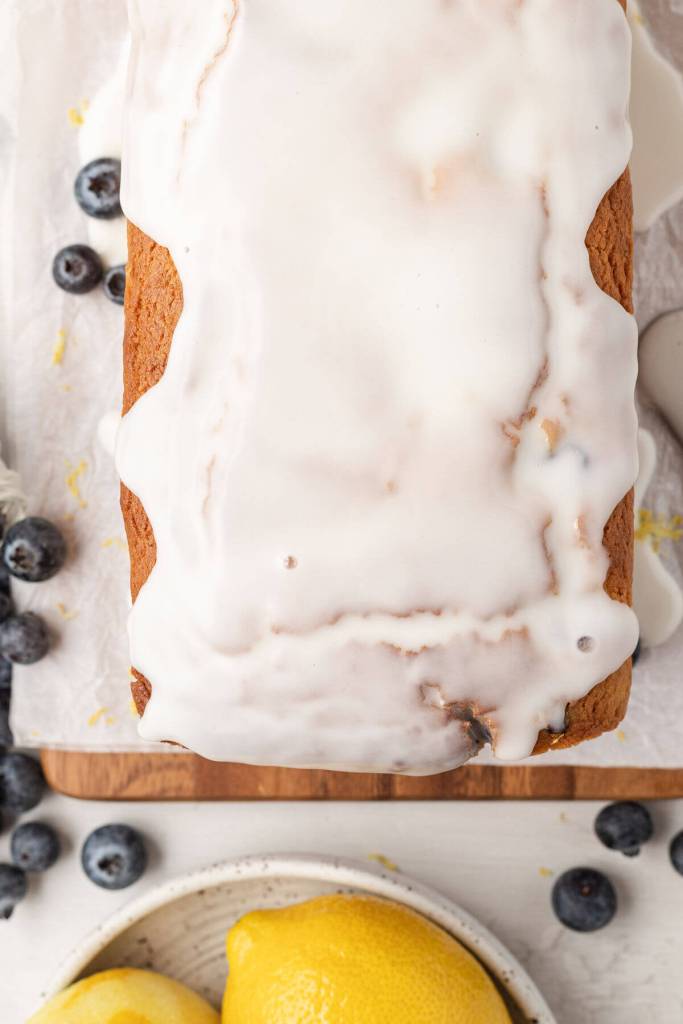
398 410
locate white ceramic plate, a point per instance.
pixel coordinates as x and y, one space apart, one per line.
179 928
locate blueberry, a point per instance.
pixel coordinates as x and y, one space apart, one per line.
24 638
5 605
5 674
22 783
676 852
33 550
584 900
77 269
114 856
13 888
624 826
6 738
97 188
115 283
34 846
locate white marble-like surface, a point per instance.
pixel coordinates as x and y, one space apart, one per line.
490 857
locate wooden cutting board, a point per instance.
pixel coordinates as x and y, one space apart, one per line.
186 777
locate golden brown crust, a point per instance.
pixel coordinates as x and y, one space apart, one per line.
153 305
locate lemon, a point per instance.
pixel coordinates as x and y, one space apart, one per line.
353 960
126 996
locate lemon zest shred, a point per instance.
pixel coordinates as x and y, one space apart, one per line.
384 861
114 542
75 117
655 530
71 480
59 348
546 872
96 716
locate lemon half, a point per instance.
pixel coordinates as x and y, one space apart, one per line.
126 996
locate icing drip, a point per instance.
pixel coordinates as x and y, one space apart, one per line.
380 460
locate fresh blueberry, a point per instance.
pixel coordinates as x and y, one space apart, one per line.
115 283
13 888
624 826
5 605
34 846
33 549
635 657
584 899
5 674
97 188
114 856
676 852
6 738
77 269
24 638
22 783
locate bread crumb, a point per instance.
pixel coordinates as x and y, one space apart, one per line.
621 735
66 614
553 433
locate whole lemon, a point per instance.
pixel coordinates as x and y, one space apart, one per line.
346 959
126 996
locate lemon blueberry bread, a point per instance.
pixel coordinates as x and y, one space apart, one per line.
379 364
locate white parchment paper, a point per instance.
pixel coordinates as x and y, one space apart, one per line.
60 367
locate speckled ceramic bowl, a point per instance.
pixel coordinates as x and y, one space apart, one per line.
179 928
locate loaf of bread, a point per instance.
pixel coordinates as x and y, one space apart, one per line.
153 304
154 301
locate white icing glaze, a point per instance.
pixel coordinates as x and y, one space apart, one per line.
378 215
661 367
657 120
100 135
107 429
657 598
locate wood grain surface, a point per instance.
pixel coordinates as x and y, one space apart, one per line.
186 777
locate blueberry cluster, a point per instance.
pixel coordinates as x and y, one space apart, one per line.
77 268
113 856
585 899
33 550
